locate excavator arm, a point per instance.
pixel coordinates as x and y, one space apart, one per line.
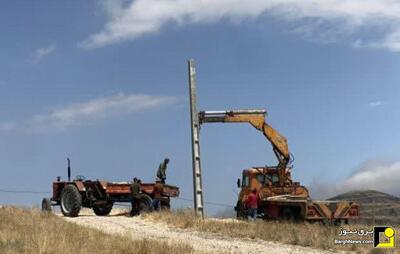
257 119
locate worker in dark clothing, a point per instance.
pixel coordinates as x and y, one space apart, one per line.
135 195
158 188
252 204
162 170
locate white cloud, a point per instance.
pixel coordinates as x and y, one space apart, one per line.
374 104
86 112
372 175
41 53
321 20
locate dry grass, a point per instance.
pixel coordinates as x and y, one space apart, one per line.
30 231
304 234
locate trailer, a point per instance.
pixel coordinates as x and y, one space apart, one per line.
290 201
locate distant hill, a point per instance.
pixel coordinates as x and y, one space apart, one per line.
375 207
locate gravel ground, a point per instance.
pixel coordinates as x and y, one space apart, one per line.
139 228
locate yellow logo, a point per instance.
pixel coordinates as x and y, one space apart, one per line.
384 237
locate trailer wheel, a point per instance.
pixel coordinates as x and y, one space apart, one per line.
166 207
240 211
287 214
165 204
145 204
103 210
46 205
71 201
337 222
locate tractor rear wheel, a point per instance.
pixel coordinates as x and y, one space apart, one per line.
71 201
103 210
46 205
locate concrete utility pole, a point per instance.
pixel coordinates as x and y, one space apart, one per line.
195 126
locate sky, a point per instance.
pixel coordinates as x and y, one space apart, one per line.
105 83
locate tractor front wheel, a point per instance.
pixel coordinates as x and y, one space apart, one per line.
46 205
71 201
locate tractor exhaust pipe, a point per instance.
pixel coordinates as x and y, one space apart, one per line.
69 170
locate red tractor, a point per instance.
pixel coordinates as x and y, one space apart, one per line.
100 196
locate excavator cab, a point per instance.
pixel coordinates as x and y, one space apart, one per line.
268 185
261 178
268 179
256 180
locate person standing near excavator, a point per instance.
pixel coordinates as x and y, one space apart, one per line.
162 170
252 204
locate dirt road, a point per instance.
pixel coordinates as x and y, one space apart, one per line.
139 228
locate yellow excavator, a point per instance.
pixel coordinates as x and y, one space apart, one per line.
279 196
257 119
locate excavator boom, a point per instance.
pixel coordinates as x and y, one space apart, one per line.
257 119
